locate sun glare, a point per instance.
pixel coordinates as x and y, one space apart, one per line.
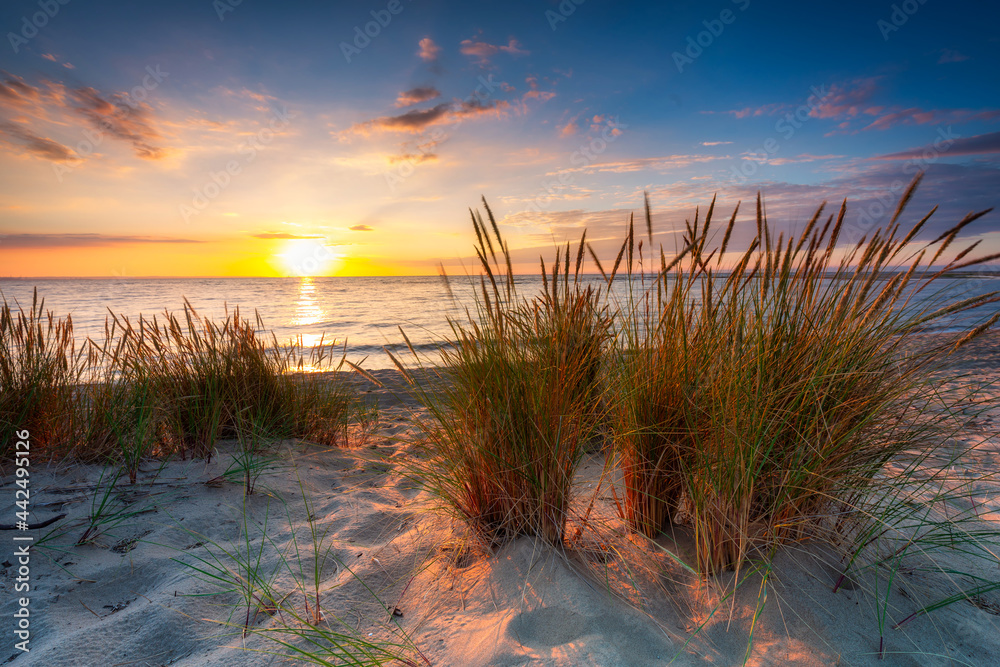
309 257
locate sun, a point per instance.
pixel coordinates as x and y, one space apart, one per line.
308 257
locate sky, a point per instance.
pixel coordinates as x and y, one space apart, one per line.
252 138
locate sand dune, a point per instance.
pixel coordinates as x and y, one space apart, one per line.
128 598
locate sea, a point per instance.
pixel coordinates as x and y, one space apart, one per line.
364 317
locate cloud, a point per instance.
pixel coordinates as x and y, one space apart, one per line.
284 235
415 158
715 143
949 56
979 144
81 240
842 100
571 127
442 114
429 51
766 110
853 104
848 99
871 192
918 116
778 161
650 163
361 228
49 56
116 115
534 93
120 117
18 136
483 51
15 92
417 95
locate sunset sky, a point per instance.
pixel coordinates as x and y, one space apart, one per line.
258 138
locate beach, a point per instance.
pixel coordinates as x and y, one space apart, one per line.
150 589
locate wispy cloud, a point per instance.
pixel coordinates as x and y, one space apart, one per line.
82 240
571 127
115 114
778 161
483 51
949 56
664 163
284 235
534 92
918 116
361 228
107 113
20 137
715 143
854 104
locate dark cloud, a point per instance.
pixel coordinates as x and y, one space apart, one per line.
80 240
976 145
417 95
417 120
19 136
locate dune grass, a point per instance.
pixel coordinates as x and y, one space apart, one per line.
516 407
758 403
756 396
164 386
39 366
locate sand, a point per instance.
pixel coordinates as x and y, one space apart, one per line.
128 599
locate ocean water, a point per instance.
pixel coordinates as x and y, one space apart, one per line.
367 313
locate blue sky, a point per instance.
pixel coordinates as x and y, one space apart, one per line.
194 138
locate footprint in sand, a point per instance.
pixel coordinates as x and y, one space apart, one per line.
548 626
